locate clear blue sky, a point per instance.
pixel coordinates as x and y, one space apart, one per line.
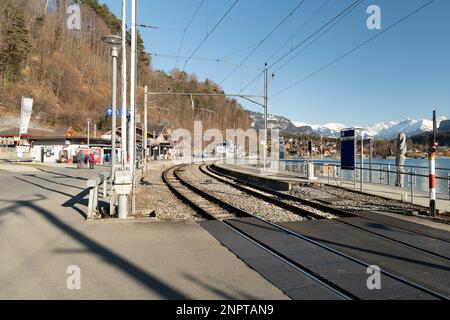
404 73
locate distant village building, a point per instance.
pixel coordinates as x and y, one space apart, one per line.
444 126
50 146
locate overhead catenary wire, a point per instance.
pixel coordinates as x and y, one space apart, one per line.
353 49
147 26
300 29
215 60
264 40
317 38
240 50
210 33
343 12
340 14
186 29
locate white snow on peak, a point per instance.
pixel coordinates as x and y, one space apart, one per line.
383 130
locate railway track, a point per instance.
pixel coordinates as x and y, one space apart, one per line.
341 277
427 243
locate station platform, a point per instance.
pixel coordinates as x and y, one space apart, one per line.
284 181
43 233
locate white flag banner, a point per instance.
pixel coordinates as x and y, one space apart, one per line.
27 109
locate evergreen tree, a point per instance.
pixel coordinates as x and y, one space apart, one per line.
16 45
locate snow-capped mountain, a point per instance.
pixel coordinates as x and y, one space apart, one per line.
277 122
381 130
409 127
326 130
375 129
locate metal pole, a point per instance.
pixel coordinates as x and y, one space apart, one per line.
88 133
115 55
448 184
370 159
123 199
145 127
132 133
133 73
432 164
95 130
388 175
412 185
124 88
355 169
321 146
265 113
361 175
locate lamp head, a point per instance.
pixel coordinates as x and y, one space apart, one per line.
112 40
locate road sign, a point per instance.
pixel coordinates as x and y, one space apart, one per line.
348 150
109 112
119 112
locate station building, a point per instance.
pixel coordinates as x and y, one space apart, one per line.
51 146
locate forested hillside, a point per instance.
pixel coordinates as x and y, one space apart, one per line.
68 73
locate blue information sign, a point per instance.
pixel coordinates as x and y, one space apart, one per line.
281 149
348 150
109 112
119 112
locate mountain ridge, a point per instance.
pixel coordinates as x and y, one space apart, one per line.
387 130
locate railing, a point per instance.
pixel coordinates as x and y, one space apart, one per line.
414 178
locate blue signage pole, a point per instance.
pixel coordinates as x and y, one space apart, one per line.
348 150
310 148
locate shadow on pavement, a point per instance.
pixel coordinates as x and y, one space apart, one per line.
217 291
72 202
107 255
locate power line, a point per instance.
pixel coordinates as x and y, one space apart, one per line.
240 50
209 33
354 49
264 40
175 57
300 29
147 26
186 29
216 60
342 13
318 37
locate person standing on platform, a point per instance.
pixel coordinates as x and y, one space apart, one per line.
80 160
91 160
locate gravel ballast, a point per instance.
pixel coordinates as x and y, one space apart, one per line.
344 199
155 199
238 198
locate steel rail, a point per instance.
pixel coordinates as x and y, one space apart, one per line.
320 280
321 206
307 239
303 212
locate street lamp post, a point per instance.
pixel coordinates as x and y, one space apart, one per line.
88 133
114 42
